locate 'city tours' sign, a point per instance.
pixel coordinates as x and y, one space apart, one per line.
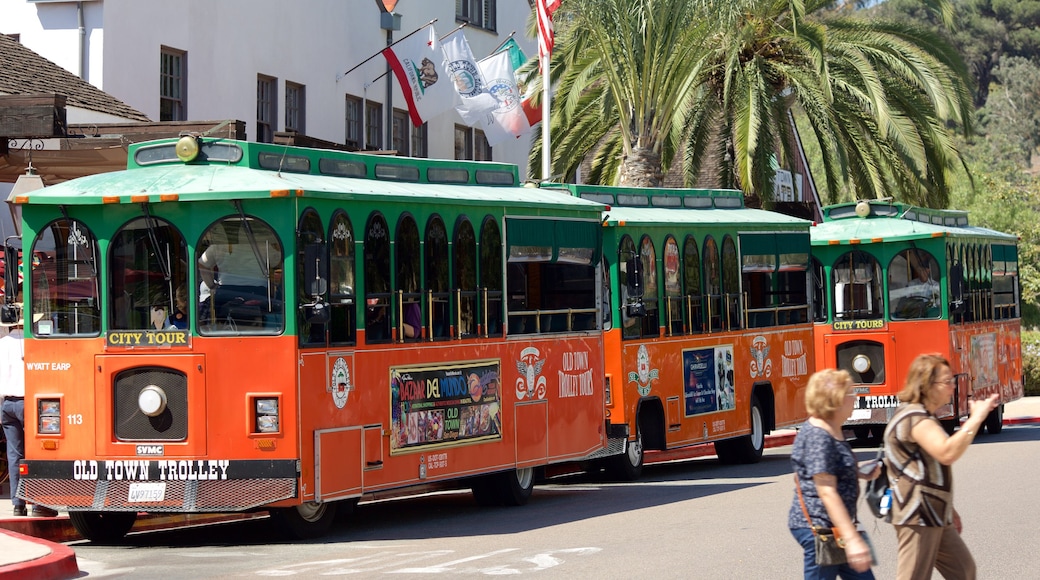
873 324
147 338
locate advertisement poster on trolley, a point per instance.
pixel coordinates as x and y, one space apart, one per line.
434 405
709 380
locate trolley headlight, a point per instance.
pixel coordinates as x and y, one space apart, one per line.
266 410
152 401
48 416
187 148
861 363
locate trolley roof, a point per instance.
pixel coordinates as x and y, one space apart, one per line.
710 207
221 180
883 221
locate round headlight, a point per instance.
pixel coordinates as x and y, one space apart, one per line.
861 363
187 148
152 401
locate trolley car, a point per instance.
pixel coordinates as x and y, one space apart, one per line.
230 326
892 281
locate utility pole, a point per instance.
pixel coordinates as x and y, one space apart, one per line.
389 21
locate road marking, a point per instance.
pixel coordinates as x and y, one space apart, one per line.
389 561
444 567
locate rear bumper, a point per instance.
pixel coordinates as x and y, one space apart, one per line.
174 486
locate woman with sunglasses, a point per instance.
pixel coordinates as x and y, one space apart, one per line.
919 455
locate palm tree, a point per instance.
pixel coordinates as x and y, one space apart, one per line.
625 71
879 95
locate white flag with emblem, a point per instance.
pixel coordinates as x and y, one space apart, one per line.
508 120
466 76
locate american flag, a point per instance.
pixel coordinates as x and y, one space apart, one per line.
545 10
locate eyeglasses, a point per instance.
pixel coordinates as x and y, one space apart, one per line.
948 381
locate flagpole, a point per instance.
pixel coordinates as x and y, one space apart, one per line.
458 28
412 33
546 165
499 47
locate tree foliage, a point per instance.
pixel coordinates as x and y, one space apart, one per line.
985 31
639 80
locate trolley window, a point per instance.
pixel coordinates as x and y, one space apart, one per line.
856 278
148 285
235 259
64 281
913 286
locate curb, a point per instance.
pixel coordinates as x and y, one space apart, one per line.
1022 421
705 449
58 564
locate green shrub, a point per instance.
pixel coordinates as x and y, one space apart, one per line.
1031 361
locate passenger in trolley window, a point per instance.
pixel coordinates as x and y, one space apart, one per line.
412 325
179 317
12 412
919 456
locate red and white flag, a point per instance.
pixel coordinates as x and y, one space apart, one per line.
418 64
507 121
545 10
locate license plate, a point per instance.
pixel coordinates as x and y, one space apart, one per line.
146 492
860 415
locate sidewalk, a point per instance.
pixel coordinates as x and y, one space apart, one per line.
32 547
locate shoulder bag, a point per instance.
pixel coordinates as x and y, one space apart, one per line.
830 546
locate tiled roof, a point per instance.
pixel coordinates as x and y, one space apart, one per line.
23 72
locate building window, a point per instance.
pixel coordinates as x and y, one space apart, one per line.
463 142
420 143
373 126
265 108
172 84
295 106
479 13
471 144
400 132
481 149
354 123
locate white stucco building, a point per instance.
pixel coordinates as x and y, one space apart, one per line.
274 64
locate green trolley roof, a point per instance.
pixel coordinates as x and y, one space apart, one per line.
881 221
709 207
242 173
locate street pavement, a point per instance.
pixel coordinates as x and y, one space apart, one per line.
32 547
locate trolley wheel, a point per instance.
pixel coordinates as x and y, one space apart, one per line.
995 420
306 521
628 465
512 488
749 448
103 527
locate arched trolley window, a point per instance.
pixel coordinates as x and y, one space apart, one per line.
148 277
63 276
238 265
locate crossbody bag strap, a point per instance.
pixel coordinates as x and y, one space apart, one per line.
801 500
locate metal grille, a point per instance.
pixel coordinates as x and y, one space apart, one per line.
133 425
181 496
615 446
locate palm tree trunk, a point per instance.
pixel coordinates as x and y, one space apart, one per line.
641 168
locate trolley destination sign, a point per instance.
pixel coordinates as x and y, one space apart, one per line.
154 338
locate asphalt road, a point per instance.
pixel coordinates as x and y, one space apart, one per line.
691 519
